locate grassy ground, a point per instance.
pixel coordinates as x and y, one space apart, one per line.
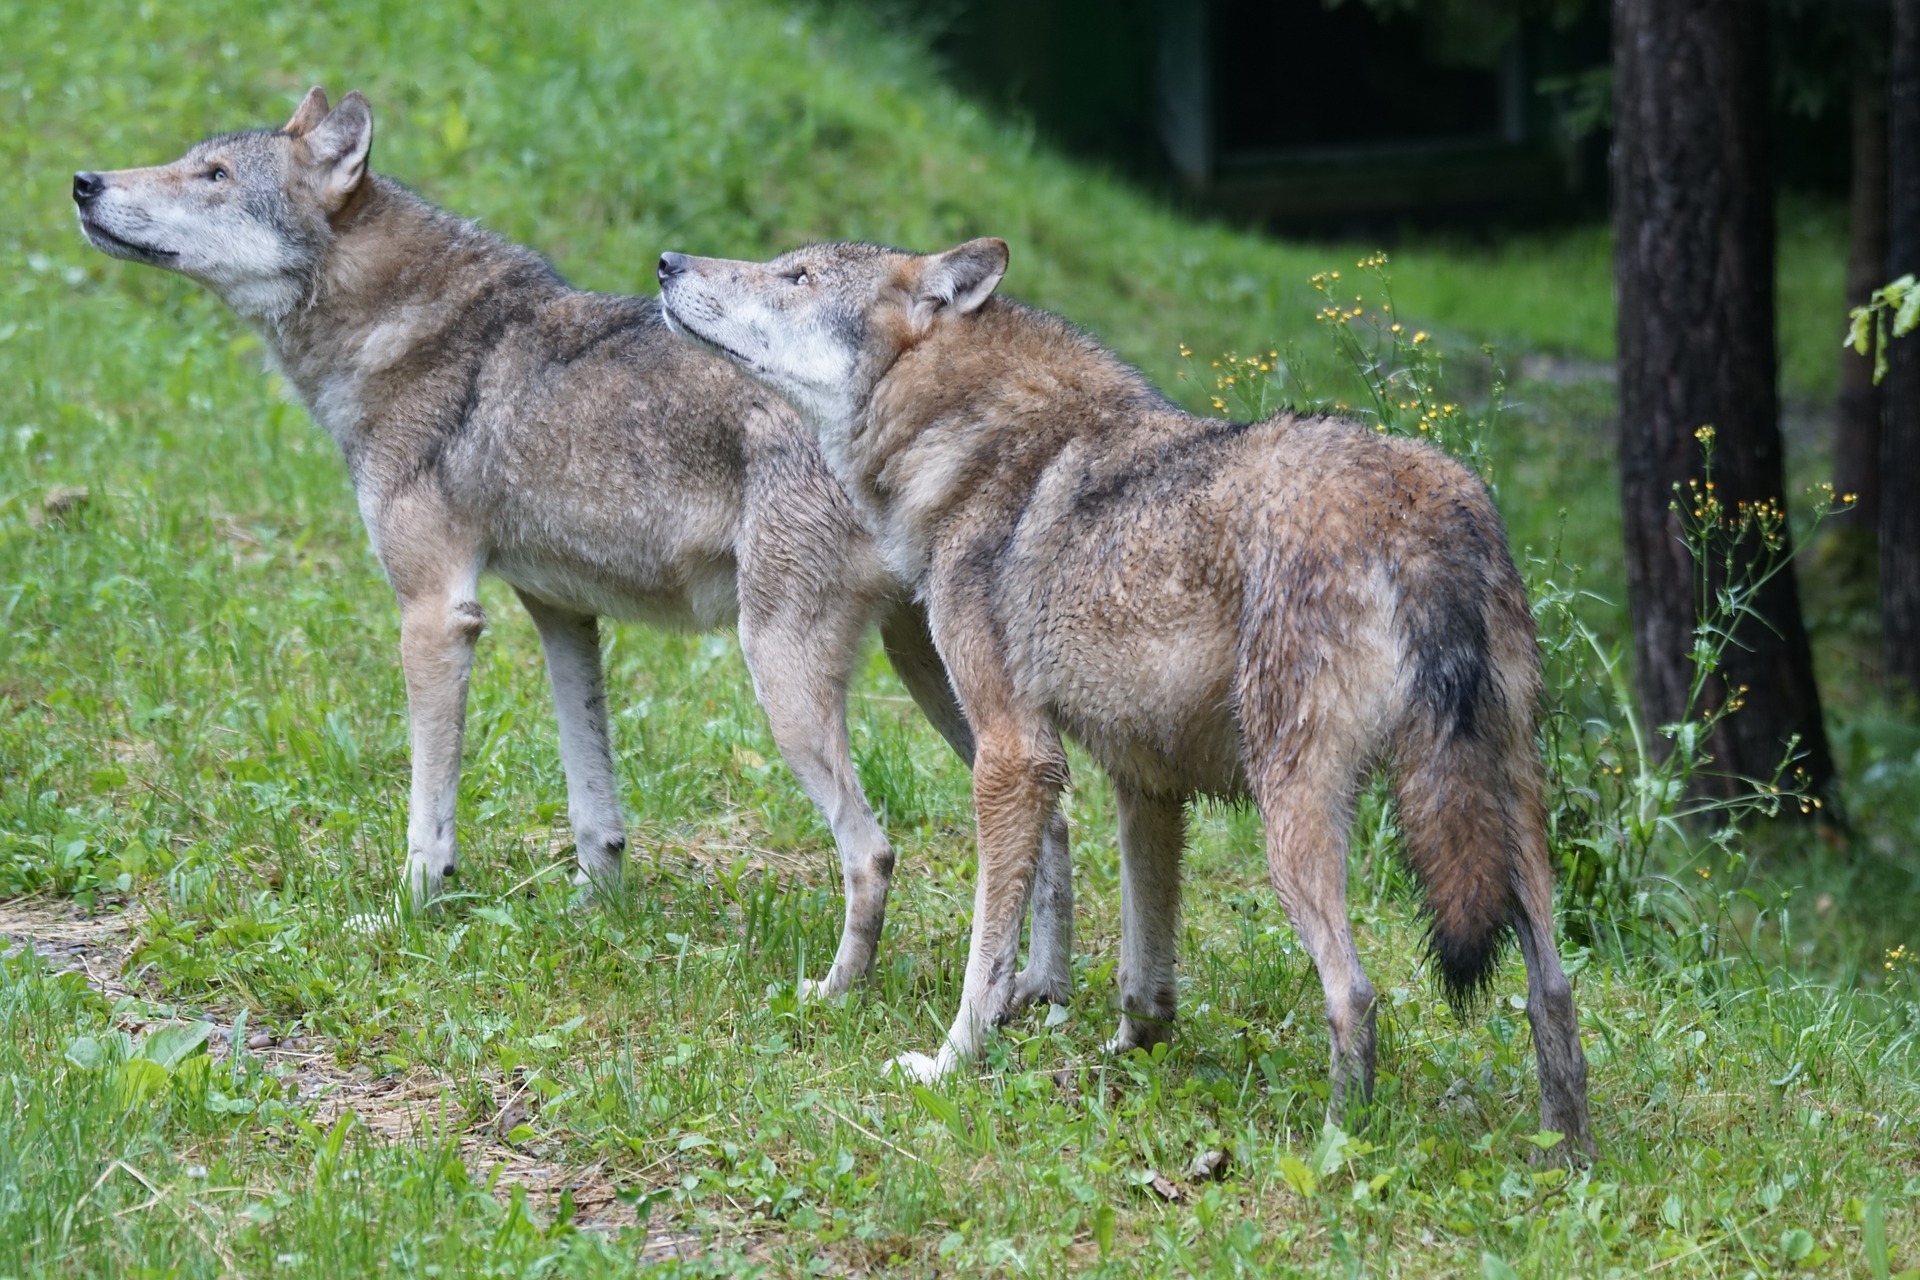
202 759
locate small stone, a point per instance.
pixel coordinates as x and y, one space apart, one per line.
511 1117
1208 1166
1459 1097
1165 1189
64 501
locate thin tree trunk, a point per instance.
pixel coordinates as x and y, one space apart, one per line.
1900 443
1693 274
1856 425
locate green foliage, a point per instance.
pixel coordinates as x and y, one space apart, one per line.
1624 807
1898 301
201 715
1626 800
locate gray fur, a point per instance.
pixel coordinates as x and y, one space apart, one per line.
1258 609
495 420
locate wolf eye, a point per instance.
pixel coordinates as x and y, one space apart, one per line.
218 174
799 277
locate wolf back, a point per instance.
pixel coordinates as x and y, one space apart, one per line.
1267 609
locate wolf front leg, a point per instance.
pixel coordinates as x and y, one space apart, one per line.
1049 973
437 635
1019 770
571 642
1018 773
800 647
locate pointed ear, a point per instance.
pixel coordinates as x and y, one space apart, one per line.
964 277
337 147
313 109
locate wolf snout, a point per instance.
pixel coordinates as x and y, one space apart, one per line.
87 187
673 264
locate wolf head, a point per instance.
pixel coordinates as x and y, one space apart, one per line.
246 214
822 325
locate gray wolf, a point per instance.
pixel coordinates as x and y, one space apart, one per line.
495 420
1209 607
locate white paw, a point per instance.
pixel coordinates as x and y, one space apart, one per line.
918 1068
831 987
824 990
426 883
598 884
370 924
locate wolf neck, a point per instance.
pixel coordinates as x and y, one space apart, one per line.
396 272
971 416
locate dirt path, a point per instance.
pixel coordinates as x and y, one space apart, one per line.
413 1106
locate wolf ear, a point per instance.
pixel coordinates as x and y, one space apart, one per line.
962 278
313 109
338 146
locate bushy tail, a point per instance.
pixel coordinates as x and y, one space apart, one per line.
1465 762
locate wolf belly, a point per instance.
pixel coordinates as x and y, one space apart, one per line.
702 595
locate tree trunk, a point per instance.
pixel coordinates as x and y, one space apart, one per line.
1856 425
1900 442
1693 277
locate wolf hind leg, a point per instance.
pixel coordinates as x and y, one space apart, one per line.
1048 975
1307 805
571 642
801 655
1550 1009
1475 831
1152 832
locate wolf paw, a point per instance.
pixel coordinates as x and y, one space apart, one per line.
918 1068
1031 988
827 988
1574 1150
427 878
370 924
596 885
1137 1033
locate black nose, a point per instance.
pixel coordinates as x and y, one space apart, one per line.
87 187
672 264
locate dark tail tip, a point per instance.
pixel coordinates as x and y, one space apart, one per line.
1467 958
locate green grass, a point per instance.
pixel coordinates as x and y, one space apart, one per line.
1552 293
202 738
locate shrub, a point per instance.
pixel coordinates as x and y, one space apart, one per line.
1626 816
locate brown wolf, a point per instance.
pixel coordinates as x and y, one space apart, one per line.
495 420
1212 607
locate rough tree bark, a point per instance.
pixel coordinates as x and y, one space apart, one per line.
1856 425
1693 280
1900 442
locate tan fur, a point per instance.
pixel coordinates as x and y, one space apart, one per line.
1265 609
496 420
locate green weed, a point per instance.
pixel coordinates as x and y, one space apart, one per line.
201 716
